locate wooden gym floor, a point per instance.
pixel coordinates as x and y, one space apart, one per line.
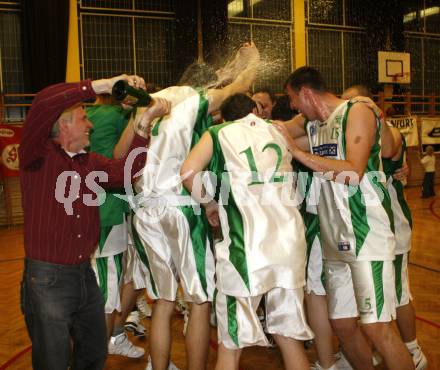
425 284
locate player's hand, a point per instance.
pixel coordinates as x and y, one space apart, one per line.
249 53
160 107
290 142
211 210
401 173
105 85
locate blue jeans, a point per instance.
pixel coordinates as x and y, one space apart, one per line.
64 314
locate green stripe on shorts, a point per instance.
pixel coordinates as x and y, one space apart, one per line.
398 275
232 319
377 269
118 263
142 255
199 234
102 267
104 232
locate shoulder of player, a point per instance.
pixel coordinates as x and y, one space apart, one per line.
360 112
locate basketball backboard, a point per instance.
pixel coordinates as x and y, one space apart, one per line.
394 67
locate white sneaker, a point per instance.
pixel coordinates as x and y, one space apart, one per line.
120 345
419 359
143 306
171 366
317 366
132 324
377 358
342 362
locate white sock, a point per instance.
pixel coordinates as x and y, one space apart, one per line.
413 347
333 367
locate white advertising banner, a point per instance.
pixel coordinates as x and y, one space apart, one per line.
431 132
407 125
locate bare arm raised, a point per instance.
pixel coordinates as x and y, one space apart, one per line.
248 58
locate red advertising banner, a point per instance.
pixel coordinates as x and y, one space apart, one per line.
10 137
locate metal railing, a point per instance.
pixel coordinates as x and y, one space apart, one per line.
410 104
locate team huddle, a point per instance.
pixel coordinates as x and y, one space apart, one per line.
303 219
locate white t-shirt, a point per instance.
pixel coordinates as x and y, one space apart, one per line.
428 162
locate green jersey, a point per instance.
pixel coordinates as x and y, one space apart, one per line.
356 221
399 206
263 244
109 121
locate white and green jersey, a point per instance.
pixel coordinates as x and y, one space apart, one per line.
172 137
399 206
310 217
356 221
263 244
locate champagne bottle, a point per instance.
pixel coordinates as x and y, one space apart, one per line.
129 95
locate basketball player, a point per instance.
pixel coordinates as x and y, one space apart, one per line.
267 100
262 254
406 318
175 239
109 123
355 217
315 297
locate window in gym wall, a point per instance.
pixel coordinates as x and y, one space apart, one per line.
431 15
107 4
414 46
412 20
154 56
325 12
107 45
336 43
324 53
269 23
421 20
432 69
133 36
147 5
155 5
356 65
11 62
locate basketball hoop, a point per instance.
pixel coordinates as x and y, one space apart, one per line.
397 77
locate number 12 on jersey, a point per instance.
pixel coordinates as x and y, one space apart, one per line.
253 167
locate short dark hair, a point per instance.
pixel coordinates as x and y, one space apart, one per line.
363 90
198 75
267 91
282 111
306 76
237 106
